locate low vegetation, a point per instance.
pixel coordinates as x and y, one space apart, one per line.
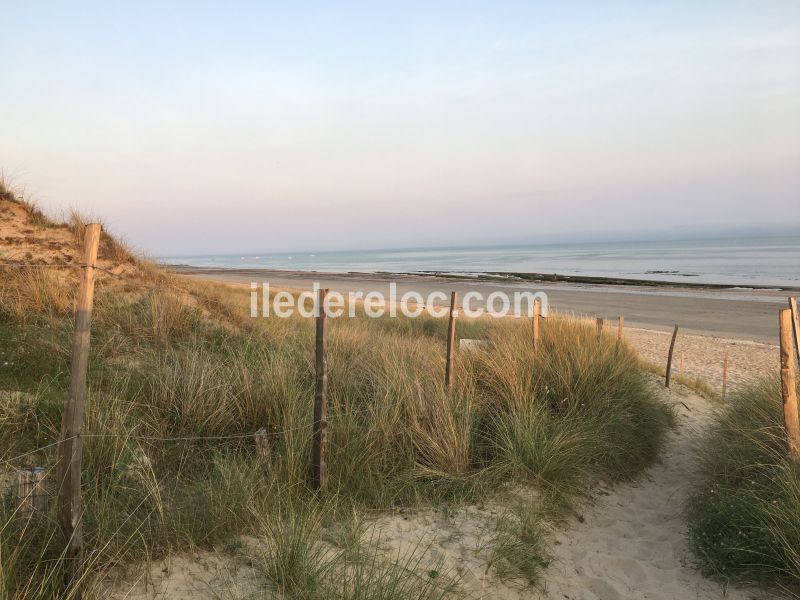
745 519
180 378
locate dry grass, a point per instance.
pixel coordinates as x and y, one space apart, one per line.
31 292
36 216
111 248
175 359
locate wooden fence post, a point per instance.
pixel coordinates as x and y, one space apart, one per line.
724 375
31 491
669 356
70 450
620 327
319 467
599 326
451 340
535 323
795 326
261 439
788 385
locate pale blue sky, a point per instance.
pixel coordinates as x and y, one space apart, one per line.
231 127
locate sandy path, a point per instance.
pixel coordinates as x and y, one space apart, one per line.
632 542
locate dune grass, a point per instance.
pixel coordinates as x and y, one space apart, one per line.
181 360
745 518
36 216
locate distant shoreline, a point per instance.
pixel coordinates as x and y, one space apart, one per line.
745 313
489 276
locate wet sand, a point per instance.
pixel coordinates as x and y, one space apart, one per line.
745 314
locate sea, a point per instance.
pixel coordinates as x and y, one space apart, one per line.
740 262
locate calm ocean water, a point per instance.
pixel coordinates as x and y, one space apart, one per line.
772 261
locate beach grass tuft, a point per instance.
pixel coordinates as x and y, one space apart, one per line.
745 517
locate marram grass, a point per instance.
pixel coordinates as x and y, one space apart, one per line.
182 360
745 516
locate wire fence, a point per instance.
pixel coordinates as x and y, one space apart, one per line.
14 463
149 438
129 278
166 284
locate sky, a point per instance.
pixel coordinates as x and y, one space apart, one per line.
209 127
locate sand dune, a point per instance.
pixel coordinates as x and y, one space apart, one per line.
625 542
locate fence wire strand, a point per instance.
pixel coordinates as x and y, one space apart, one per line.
153 438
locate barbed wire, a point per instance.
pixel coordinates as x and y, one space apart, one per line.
10 461
350 412
19 265
144 438
152 438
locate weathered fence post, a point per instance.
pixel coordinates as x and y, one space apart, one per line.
535 323
451 339
599 327
788 385
724 375
319 467
669 356
70 450
31 491
795 326
261 439
620 327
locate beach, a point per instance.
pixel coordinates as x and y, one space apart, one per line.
735 313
